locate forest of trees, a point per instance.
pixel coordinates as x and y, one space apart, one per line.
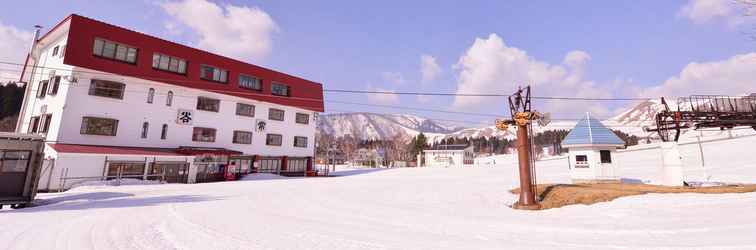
11 97
399 149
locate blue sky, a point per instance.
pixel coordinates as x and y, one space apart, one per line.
625 48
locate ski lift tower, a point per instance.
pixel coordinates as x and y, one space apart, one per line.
523 117
704 111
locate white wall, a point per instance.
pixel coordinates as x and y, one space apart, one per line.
725 159
133 110
55 103
91 165
73 102
457 156
595 169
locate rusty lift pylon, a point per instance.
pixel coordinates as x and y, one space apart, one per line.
705 111
523 117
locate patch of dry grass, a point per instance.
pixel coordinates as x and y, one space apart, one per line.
559 195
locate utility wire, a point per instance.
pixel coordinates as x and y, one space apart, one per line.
352 91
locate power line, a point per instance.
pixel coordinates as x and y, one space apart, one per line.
482 95
354 91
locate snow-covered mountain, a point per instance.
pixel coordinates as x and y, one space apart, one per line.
381 126
388 126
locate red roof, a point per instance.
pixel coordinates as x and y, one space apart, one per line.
303 93
114 150
121 150
204 151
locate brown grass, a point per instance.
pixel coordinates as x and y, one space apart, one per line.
559 195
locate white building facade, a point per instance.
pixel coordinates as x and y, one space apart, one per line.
591 146
447 156
100 93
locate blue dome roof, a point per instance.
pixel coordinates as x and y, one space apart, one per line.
590 132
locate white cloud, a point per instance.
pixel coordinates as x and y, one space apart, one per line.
236 31
14 45
490 66
702 11
733 76
429 68
385 99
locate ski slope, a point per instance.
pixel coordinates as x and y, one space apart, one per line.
412 208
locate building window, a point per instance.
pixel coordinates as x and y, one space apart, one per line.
279 89
126 169
168 63
203 134
150 95
581 159
116 51
606 156
300 141
242 137
45 121
276 114
15 161
42 89
63 51
55 51
213 74
296 165
164 132
208 104
250 82
52 88
34 124
108 89
169 99
245 109
273 140
99 126
303 118
145 129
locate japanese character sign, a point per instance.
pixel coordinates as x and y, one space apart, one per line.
185 117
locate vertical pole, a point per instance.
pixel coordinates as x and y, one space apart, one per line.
527 195
703 161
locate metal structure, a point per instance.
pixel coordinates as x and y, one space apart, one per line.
523 117
705 111
21 157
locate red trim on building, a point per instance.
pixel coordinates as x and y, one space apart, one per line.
82 32
206 151
114 150
122 150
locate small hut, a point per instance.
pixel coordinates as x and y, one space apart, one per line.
591 145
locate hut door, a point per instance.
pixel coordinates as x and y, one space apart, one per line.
605 169
13 170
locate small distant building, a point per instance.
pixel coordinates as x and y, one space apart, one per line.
369 157
591 145
447 156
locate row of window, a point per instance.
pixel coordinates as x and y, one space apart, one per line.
115 51
120 52
116 90
40 124
109 127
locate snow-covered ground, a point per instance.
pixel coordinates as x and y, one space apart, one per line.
409 208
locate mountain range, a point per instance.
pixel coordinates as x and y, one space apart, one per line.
373 126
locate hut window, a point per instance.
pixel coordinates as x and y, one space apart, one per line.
606 156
